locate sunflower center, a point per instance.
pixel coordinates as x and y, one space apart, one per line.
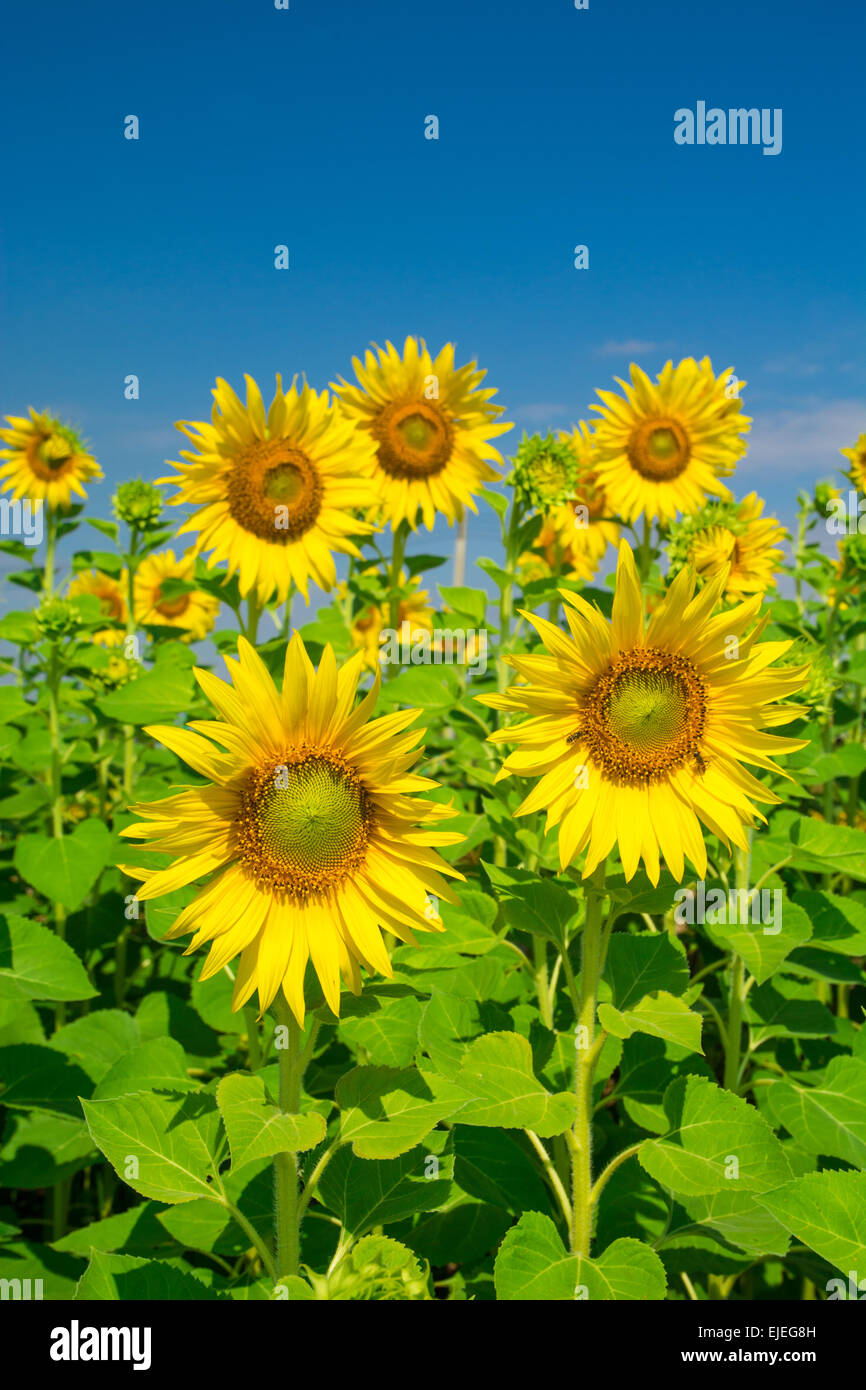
171 607
659 449
645 716
415 439
304 822
51 455
275 491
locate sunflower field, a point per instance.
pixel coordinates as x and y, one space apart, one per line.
379 927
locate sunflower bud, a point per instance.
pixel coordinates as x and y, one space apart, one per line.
56 619
824 496
137 503
545 472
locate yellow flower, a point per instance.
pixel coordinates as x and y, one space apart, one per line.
639 732
747 550
576 535
662 448
112 596
276 492
307 829
857 458
47 460
429 424
414 610
194 611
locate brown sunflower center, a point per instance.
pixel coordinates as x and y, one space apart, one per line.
415 439
304 823
659 449
171 607
275 491
50 456
645 716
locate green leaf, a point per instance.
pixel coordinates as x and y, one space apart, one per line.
717 1143
41 1078
639 965
827 1212
541 906
386 1112
533 1265
829 1118
42 1148
468 603
162 1146
386 1027
497 1073
765 946
364 1194
125 1277
36 964
838 924
65 870
156 697
156 1065
12 704
256 1127
815 845
58 1272
660 1015
96 1041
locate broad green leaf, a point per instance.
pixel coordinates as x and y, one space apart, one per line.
22 1261
786 1006
12 704
41 1078
65 870
385 1112
640 965
647 1068
155 697
497 1073
838 923
717 1143
533 1265
541 906
157 1065
128 1277
132 1232
815 845
827 1212
98 1040
364 1194
660 1015
388 1029
36 964
163 1146
207 1225
497 1167
42 1148
829 1118
764 945
256 1127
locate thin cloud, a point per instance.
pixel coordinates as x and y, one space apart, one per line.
802 442
629 347
542 412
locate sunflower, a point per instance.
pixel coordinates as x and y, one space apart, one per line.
857 458
307 830
738 539
193 612
414 609
576 535
47 460
430 426
112 596
277 491
640 732
662 448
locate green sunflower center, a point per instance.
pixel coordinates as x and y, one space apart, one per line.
659 449
644 717
285 483
305 822
647 709
415 439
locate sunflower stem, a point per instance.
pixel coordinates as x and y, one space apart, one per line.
50 545
254 612
586 1056
395 571
286 1209
645 549
731 1038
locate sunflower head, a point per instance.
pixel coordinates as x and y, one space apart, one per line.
164 595
430 427
733 537
111 593
278 493
640 731
138 504
57 619
46 459
309 835
662 447
576 535
856 457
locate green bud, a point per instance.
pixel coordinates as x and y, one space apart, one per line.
545 472
56 619
137 503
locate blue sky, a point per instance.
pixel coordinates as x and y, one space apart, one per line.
305 126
